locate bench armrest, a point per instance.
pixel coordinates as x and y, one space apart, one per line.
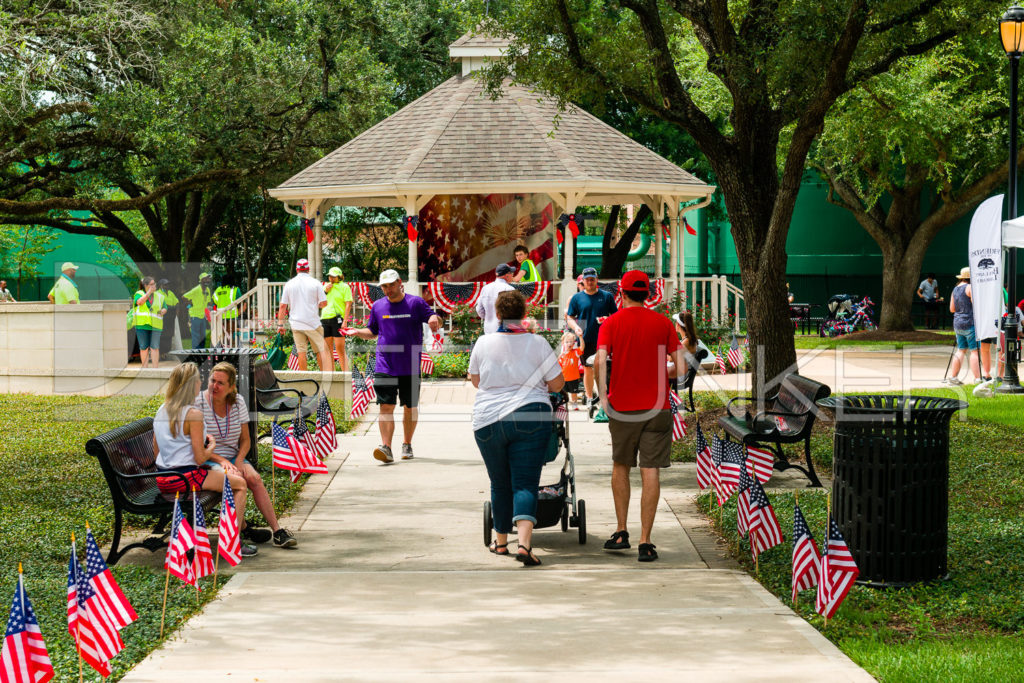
280 390
738 399
297 381
153 475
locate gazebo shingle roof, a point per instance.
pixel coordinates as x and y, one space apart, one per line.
456 133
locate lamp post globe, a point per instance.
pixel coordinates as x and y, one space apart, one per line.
1011 34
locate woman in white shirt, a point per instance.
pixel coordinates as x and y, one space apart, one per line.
181 444
227 417
513 372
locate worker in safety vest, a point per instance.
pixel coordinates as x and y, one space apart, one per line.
170 317
65 290
223 297
198 300
148 307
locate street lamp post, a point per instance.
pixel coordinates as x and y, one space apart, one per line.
1011 32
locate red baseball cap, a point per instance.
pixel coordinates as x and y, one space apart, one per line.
302 264
635 281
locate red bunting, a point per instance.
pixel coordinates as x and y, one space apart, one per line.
307 223
688 227
410 227
573 228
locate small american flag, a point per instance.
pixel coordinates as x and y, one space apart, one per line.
717 453
678 420
88 623
326 438
229 544
705 468
300 431
729 470
290 454
743 503
760 462
806 557
765 531
838 572
23 657
182 540
99 576
426 363
203 557
293 360
734 355
562 409
360 393
371 392
334 354
720 359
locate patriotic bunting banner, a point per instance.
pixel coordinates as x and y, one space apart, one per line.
447 296
534 292
367 292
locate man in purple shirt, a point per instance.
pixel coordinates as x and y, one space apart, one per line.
396 322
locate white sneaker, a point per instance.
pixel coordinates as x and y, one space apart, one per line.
954 382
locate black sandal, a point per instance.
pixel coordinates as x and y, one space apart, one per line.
528 558
647 553
618 541
498 549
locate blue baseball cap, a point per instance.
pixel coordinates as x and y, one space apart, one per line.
590 272
503 269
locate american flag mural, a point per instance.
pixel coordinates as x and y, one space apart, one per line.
462 238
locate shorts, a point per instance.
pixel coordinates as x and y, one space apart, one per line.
651 438
589 349
391 389
332 326
215 466
966 339
305 337
148 339
194 475
573 386
988 340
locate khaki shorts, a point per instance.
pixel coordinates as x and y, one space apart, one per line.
651 438
305 337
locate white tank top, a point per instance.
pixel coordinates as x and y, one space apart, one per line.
175 451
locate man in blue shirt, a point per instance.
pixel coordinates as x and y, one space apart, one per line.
587 310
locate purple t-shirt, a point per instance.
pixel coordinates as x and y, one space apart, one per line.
399 330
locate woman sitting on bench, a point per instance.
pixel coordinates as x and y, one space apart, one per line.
227 419
179 444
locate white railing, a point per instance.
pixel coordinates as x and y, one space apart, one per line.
258 307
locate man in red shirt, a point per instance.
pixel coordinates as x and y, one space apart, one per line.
635 398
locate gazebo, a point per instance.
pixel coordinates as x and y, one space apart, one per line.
455 142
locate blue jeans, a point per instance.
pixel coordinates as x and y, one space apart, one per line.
513 451
965 339
198 332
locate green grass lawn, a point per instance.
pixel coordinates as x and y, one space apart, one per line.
50 488
816 342
969 627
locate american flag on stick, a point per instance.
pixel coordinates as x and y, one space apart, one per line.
705 468
729 470
838 572
326 438
99 576
426 363
229 543
23 656
765 531
292 455
734 355
360 393
293 360
371 392
203 557
678 420
717 454
182 540
300 431
760 462
88 622
720 359
806 557
743 503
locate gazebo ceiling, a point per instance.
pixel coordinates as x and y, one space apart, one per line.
457 140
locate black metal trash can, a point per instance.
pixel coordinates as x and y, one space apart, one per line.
242 359
890 493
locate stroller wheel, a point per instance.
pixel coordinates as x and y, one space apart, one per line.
565 518
488 523
581 509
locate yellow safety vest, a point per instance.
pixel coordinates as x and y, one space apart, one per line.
224 296
155 318
142 311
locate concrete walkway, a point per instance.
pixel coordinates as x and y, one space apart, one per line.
392 581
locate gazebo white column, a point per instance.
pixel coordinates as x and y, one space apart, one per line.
676 244
569 201
318 244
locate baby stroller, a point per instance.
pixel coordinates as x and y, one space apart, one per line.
556 503
846 317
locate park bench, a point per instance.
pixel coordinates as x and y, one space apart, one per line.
280 402
787 417
691 375
126 457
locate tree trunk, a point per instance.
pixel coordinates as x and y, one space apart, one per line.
613 259
901 272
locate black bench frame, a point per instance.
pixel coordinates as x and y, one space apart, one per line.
691 376
131 447
794 401
285 412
